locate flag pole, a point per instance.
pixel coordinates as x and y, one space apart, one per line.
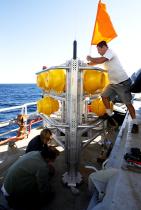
90 50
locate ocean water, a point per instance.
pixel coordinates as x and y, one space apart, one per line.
18 94
15 95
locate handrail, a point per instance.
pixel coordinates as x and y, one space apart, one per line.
17 107
24 110
11 131
16 129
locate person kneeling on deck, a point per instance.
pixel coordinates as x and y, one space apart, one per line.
39 141
119 81
27 183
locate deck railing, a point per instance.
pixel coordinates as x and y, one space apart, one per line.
25 109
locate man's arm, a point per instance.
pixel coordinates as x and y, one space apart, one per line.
95 61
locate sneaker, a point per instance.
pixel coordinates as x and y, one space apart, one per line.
135 128
109 112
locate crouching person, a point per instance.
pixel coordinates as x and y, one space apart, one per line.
27 185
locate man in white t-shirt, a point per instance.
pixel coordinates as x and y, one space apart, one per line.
119 81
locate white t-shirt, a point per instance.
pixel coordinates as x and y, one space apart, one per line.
116 72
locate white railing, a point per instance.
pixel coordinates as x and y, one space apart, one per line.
22 109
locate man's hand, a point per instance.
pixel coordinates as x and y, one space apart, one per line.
90 63
89 58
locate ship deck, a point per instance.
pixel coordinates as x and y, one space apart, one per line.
122 191
64 199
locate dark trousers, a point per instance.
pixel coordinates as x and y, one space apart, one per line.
32 201
23 202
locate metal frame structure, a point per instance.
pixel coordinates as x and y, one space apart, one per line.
73 122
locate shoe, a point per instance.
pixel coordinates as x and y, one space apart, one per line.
135 129
112 114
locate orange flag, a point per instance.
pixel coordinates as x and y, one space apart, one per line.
103 29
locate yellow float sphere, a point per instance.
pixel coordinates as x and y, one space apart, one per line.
106 79
93 80
41 80
56 80
98 107
47 105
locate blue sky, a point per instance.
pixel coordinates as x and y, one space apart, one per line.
34 33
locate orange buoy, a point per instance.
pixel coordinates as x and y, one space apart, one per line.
98 107
93 80
47 105
41 80
106 79
56 80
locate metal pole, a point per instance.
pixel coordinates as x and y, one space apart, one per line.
74 49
